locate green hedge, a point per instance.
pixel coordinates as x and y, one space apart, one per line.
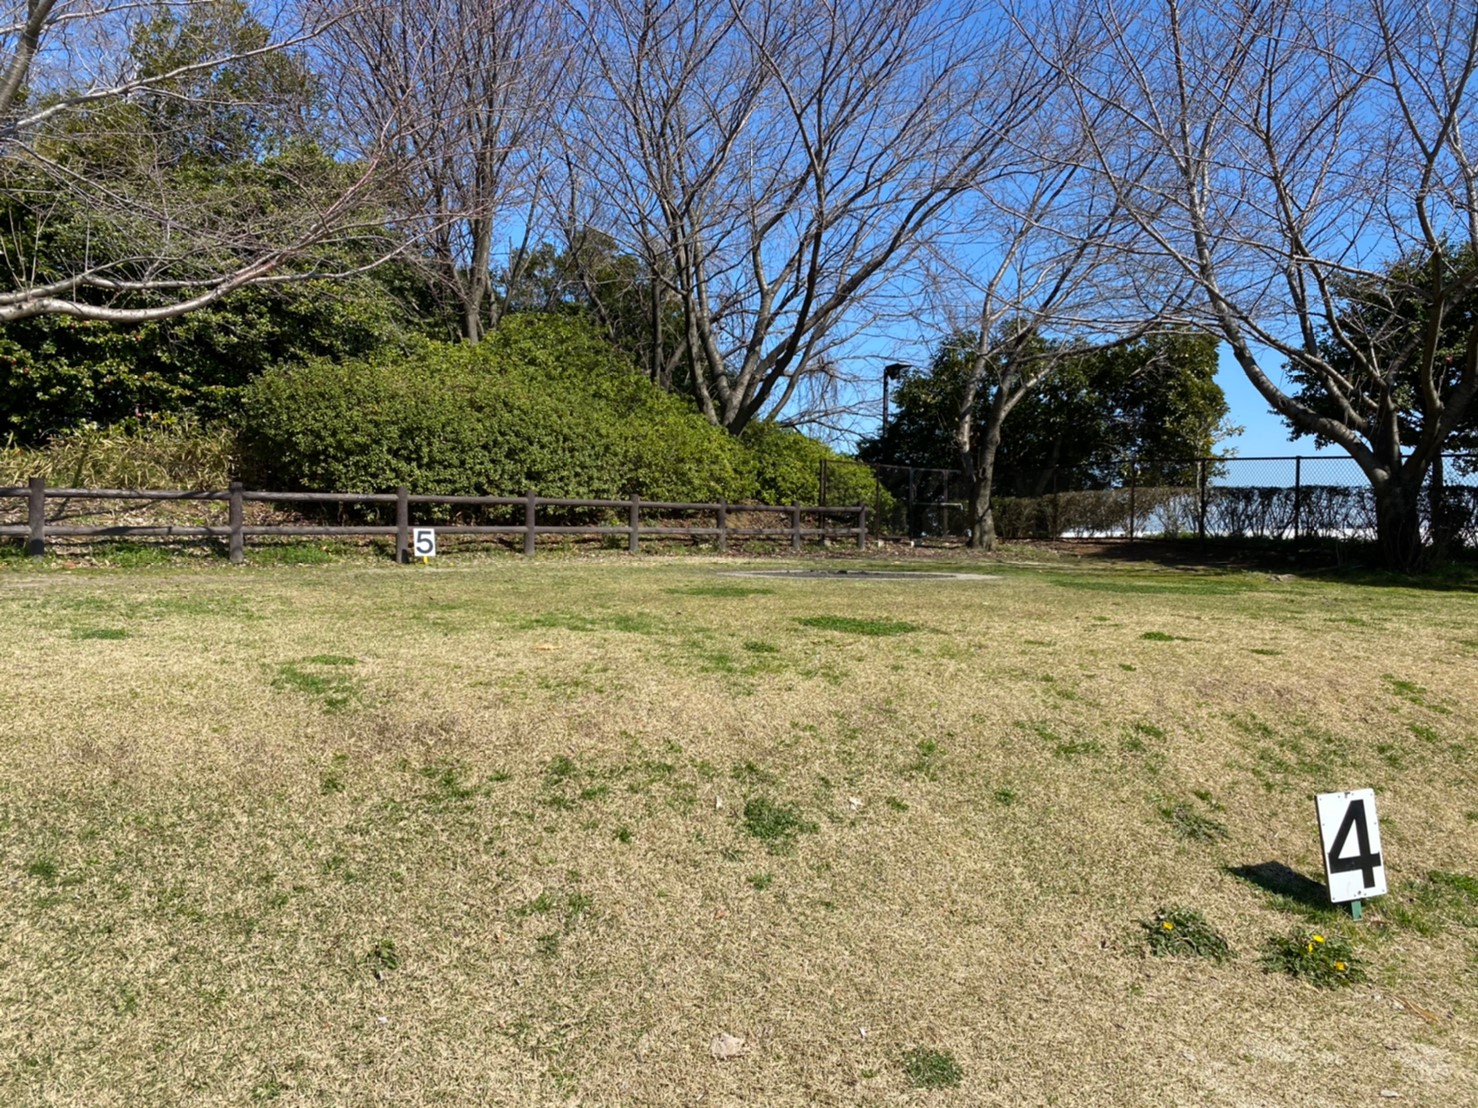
542 404
787 467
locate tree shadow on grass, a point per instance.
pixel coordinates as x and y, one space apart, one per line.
1349 563
1287 889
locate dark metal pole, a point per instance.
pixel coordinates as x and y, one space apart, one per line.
1133 488
1201 500
913 484
1298 480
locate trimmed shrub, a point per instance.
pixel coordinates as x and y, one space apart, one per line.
787 468
543 403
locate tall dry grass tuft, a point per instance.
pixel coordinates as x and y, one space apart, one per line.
184 455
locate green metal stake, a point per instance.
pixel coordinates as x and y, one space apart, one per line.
1355 909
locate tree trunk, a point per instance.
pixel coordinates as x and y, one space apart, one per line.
1398 523
980 475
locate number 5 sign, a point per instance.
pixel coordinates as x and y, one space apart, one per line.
1351 836
423 542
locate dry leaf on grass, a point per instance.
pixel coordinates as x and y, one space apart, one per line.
725 1046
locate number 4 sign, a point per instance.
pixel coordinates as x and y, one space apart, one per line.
1351 836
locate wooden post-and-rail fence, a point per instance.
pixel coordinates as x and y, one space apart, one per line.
37 530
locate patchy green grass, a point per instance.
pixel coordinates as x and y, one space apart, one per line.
852 626
775 824
1193 826
105 634
548 827
323 682
928 1068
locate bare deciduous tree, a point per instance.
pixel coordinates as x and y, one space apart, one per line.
777 164
463 91
152 162
1303 150
1054 267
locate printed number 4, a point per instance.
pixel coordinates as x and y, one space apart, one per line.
1364 860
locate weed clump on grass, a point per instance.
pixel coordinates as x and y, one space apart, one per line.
1327 962
42 868
332 779
926 765
853 626
446 783
926 1068
1192 826
382 959
761 881
1184 932
774 824
750 774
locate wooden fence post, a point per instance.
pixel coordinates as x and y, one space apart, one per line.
634 523
861 526
36 517
402 524
795 526
723 526
530 502
235 517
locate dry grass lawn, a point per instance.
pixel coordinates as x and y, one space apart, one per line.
497 832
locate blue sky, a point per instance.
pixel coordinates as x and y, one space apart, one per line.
1265 435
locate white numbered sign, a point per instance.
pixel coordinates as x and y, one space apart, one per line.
423 542
1351 836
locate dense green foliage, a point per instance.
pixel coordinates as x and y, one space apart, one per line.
543 403
787 468
1157 399
58 373
1388 318
233 147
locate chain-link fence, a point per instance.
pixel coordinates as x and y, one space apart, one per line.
1244 498
904 501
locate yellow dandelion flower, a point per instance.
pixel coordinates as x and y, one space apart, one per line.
1318 938
1309 949
1168 926
1340 966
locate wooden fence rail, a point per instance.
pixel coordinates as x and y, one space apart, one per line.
37 530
